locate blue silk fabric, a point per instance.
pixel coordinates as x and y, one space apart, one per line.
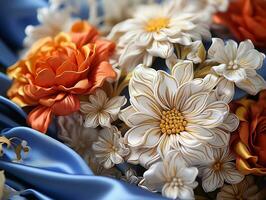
51 170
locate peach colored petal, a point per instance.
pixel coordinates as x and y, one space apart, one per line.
66 106
100 74
45 78
82 33
40 118
50 100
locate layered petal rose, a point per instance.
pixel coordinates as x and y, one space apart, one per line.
249 141
246 20
57 70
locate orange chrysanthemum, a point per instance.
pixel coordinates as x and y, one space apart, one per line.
246 19
57 70
249 141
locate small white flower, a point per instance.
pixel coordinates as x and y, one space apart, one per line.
76 136
238 64
174 112
154 29
216 167
110 148
247 189
172 177
101 110
53 20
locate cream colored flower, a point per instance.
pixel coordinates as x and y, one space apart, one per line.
101 110
76 136
238 64
247 189
53 20
109 148
154 29
113 13
174 112
171 177
216 167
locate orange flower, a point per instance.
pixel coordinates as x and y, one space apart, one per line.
249 141
57 70
246 19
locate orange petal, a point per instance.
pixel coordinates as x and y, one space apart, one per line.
243 166
45 78
66 106
98 75
248 8
50 100
83 33
40 118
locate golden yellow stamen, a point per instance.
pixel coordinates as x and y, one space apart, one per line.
172 122
155 25
217 166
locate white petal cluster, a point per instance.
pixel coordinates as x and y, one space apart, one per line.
100 110
217 168
153 31
52 19
238 64
113 13
76 136
172 177
109 148
174 112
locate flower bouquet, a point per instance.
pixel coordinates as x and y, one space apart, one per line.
133 99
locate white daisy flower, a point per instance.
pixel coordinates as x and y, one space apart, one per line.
154 29
171 177
110 149
216 167
101 110
174 111
247 189
76 136
113 13
53 20
238 64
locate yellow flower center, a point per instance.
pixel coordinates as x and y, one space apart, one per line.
217 166
172 122
155 25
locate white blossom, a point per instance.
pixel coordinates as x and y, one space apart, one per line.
109 148
174 112
76 136
101 110
171 177
153 30
216 167
53 20
238 64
